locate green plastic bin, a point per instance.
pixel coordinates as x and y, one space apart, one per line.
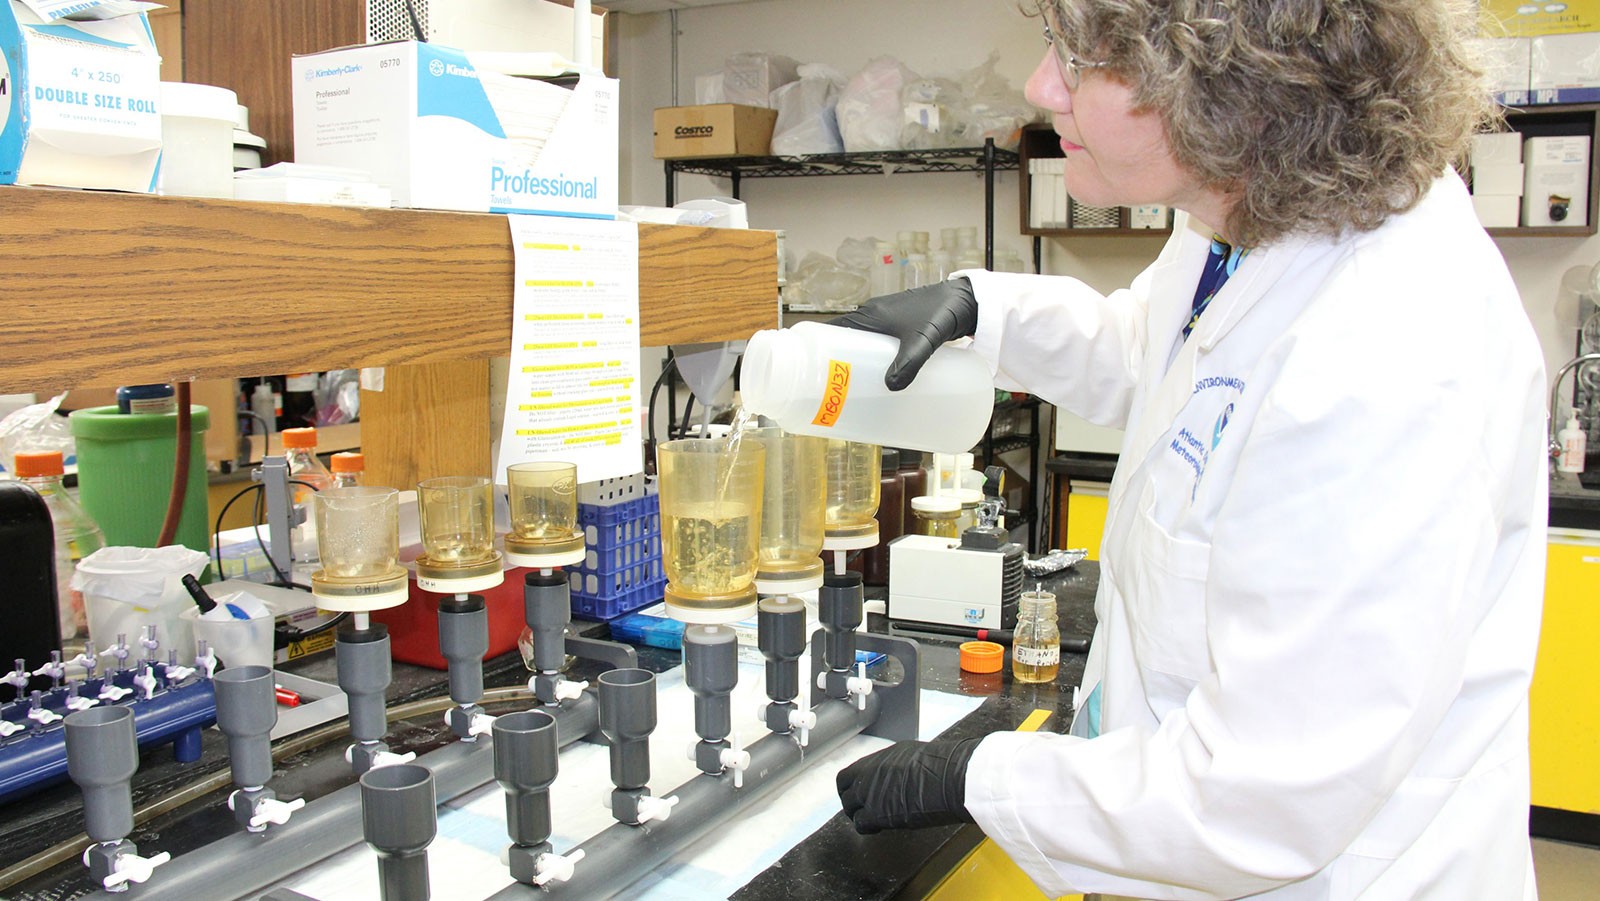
125 463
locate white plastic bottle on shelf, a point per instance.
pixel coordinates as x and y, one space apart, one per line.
77 534
300 447
885 273
968 254
917 270
264 404
1573 445
816 379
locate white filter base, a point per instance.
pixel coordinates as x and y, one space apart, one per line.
700 616
778 587
546 561
849 542
461 586
349 604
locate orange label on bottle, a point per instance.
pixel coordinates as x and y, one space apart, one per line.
833 394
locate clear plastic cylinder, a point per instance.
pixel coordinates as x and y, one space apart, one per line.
853 489
936 516
358 537
791 511
544 509
711 493
457 515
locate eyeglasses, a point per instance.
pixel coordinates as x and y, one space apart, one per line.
1071 67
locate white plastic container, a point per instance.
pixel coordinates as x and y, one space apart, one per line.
128 588
818 379
236 642
196 140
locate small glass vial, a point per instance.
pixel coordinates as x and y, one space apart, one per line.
936 516
348 468
1036 642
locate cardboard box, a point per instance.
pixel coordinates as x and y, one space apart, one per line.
79 102
1497 147
1556 187
443 133
1565 68
1521 17
1503 179
1508 65
1497 210
716 130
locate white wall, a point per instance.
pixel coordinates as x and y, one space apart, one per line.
933 37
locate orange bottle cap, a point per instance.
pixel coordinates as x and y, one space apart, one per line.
300 438
38 463
982 656
348 462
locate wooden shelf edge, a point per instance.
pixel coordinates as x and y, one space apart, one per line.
1097 232
1541 231
127 288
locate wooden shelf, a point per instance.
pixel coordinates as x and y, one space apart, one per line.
124 288
1099 232
113 289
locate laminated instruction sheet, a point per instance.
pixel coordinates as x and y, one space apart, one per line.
573 391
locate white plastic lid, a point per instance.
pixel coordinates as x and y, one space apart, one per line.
1572 421
241 117
929 504
198 101
967 497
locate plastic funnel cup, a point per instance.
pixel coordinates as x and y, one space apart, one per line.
246 713
544 508
627 717
102 755
526 754
457 515
399 818
711 493
358 532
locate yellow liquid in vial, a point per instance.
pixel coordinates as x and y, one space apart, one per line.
709 555
1027 672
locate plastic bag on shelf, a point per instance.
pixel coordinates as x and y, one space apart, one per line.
869 109
35 427
928 106
990 108
820 281
338 397
749 78
708 89
857 253
806 120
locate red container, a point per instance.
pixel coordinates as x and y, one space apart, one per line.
414 625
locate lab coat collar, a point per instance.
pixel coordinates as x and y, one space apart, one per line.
1257 274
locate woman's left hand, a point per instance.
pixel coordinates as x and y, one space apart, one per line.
908 785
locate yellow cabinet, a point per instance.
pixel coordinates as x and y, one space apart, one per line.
1565 718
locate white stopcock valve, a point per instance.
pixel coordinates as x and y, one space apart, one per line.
570 691
555 867
130 868
8 728
803 720
656 809
389 758
480 724
146 682
735 758
271 810
114 693
860 686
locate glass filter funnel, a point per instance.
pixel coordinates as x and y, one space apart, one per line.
791 512
851 508
711 492
544 515
457 515
358 537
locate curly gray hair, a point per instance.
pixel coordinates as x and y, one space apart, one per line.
1316 116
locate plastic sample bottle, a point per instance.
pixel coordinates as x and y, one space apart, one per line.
147 399
1036 642
885 274
348 468
936 516
917 271
77 535
264 403
817 379
300 447
1573 445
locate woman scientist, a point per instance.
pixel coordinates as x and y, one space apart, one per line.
1324 558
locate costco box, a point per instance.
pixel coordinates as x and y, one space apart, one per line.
79 101
443 133
714 130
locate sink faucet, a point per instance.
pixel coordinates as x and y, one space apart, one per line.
1555 391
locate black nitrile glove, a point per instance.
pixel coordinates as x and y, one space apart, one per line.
908 785
922 318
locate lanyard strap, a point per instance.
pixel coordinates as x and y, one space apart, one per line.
1222 262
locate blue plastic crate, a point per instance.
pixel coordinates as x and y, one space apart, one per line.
622 570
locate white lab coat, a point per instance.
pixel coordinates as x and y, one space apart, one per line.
1321 578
